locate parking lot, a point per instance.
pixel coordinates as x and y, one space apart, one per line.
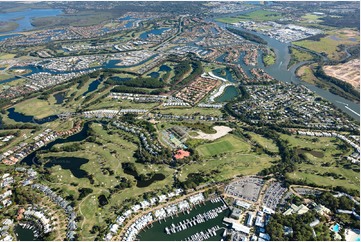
247 188
307 191
273 195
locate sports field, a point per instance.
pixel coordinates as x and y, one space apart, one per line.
224 145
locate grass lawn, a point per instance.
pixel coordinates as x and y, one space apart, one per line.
38 108
330 43
226 144
24 134
258 15
306 74
13 83
109 152
8 26
4 76
312 17
299 56
109 103
329 162
229 165
6 56
352 178
264 142
269 59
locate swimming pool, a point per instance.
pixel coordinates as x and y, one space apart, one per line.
336 228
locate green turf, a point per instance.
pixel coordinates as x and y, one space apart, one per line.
229 165
109 151
225 144
258 15
330 45
264 142
331 162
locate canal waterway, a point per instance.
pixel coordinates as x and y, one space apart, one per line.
156 232
280 72
107 65
4 37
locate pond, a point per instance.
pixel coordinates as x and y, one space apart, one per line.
59 97
228 95
317 154
165 68
82 135
224 73
19 117
92 87
69 163
142 181
146 34
153 74
148 182
334 37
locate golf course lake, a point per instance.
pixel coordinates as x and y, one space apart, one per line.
19 117
159 31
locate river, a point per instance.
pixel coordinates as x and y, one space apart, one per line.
23 18
280 72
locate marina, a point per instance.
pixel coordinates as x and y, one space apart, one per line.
203 222
26 232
